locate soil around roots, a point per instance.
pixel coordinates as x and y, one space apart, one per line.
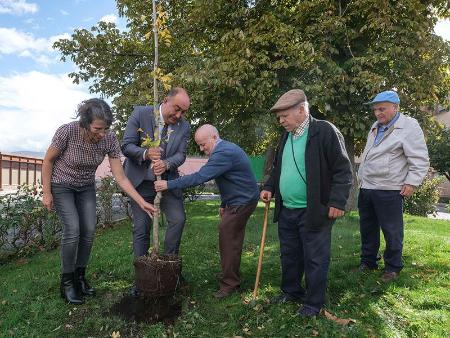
157 275
148 310
158 280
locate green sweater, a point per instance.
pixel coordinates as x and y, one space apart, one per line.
292 186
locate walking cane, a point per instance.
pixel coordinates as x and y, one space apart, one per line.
261 249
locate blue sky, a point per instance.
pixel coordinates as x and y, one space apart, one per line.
36 96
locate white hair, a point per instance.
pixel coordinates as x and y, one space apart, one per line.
305 104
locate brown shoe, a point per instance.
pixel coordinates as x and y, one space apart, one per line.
389 276
225 293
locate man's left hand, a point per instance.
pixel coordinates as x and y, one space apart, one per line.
160 185
159 167
407 190
335 213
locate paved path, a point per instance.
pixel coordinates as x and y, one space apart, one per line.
442 212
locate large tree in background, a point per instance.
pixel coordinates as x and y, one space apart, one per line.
236 57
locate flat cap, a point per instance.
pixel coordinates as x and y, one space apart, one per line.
289 99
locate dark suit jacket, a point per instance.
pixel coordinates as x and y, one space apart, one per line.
134 165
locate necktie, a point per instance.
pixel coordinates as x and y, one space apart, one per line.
163 143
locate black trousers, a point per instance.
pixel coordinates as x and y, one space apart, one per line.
303 252
381 209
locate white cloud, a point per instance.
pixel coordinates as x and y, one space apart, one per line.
109 18
14 41
442 29
24 44
63 12
17 7
32 106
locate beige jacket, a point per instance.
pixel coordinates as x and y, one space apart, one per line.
400 158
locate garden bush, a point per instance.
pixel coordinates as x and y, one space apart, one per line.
423 201
25 225
106 190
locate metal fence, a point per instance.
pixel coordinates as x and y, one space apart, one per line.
16 170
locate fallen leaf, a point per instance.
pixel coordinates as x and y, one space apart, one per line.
258 307
338 320
247 331
115 334
315 333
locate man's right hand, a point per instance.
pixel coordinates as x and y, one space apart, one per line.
153 154
160 185
265 196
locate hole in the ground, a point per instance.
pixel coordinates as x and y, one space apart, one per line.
148 310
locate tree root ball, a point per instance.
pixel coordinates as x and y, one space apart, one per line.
157 275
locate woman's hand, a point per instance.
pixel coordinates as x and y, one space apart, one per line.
147 207
47 201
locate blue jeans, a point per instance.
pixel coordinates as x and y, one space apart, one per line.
381 209
303 252
76 208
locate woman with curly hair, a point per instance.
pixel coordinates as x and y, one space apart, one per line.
68 178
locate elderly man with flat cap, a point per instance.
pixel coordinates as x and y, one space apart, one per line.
311 179
393 164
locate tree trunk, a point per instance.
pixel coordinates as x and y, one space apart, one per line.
352 200
157 202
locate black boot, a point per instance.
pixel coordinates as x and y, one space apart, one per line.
68 289
81 282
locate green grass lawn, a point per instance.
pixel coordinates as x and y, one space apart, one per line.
415 305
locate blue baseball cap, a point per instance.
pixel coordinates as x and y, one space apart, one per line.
386 96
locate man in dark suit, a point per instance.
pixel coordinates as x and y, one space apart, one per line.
142 164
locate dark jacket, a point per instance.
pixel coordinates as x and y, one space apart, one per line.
328 173
143 119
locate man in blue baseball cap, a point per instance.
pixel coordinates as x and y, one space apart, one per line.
394 162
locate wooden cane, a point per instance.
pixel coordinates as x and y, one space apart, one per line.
261 249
